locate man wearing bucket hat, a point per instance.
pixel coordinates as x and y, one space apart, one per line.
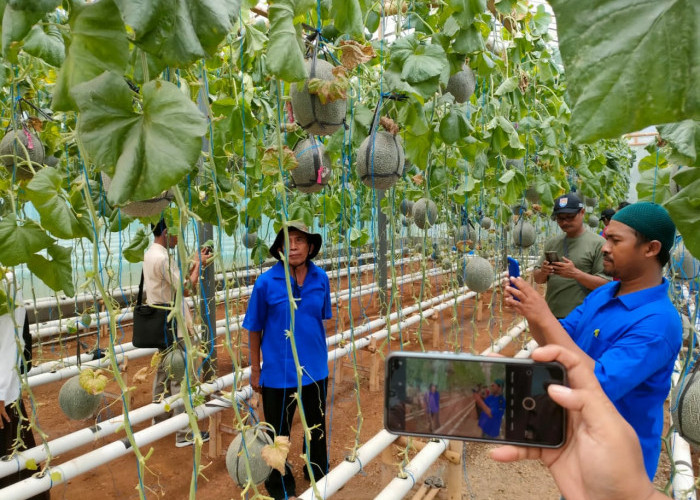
579 265
605 217
627 331
269 319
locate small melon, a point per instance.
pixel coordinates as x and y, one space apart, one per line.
684 408
12 152
255 440
518 209
174 363
250 239
479 274
589 201
406 207
314 169
76 402
309 113
462 85
532 195
466 233
593 221
684 264
523 234
425 213
486 223
380 160
142 208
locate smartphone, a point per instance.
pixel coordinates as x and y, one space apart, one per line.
473 398
551 257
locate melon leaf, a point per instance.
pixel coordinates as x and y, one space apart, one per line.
19 17
347 17
275 455
47 45
466 10
139 243
56 273
284 57
19 242
685 212
684 139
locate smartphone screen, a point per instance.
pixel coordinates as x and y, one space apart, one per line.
551 256
474 398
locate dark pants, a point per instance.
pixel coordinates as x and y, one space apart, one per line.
8 434
279 406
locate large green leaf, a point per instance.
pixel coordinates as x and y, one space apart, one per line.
466 10
284 57
19 17
57 273
684 139
98 44
347 17
685 212
455 126
139 243
629 64
47 44
418 60
144 152
179 32
19 242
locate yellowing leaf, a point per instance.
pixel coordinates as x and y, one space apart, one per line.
275 455
271 159
329 90
354 53
94 382
31 464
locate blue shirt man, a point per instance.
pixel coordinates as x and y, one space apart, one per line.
493 406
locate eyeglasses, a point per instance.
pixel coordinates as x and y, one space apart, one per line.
566 217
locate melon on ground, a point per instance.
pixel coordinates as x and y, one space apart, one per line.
255 440
76 402
406 207
593 221
142 208
309 113
523 234
684 408
174 363
486 223
462 85
425 213
684 264
380 160
478 274
13 156
314 166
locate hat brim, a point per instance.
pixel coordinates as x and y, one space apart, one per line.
315 239
565 210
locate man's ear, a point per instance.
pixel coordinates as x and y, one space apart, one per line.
311 248
653 248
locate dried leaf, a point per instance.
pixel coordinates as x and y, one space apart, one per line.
355 53
524 82
329 90
270 162
35 123
275 455
391 7
389 125
141 375
418 179
93 381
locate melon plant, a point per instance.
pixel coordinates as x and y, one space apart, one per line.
174 363
478 274
685 401
684 265
523 234
380 160
250 239
75 402
593 221
486 223
142 208
425 213
313 170
309 113
255 440
406 207
462 85
12 152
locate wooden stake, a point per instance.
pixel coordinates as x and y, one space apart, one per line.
479 308
436 330
215 443
455 479
375 361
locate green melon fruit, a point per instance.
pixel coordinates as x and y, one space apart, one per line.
314 168
174 363
684 408
255 440
76 402
590 202
13 156
142 208
309 113
466 233
593 221
684 264
532 195
462 85
486 223
479 274
380 160
250 239
425 213
523 234
406 207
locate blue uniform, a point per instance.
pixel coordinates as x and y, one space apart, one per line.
268 312
491 426
634 340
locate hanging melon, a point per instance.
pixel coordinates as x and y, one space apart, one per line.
462 85
380 160
685 401
309 113
425 213
479 274
590 201
486 223
75 402
142 208
684 265
250 239
523 234
593 221
314 166
255 440
406 207
466 233
174 363
12 152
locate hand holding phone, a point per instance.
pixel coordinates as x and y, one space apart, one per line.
551 257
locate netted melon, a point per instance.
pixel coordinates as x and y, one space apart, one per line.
76 402
174 363
13 156
590 201
309 113
593 221
255 440
406 207
685 401
314 166
142 208
486 223
250 239
684 264
532 195
479 274
462 85
523 234
466 233
380 160
425 213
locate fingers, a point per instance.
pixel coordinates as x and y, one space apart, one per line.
514 453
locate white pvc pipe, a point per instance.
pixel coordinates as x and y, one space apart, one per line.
501 343
683 480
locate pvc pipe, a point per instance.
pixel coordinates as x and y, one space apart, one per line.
511 335
683 481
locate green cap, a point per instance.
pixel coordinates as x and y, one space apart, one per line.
649 219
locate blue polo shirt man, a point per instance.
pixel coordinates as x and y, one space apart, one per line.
627 331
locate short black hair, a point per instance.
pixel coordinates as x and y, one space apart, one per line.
159 228
623 204
662 257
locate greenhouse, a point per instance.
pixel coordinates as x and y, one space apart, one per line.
341 248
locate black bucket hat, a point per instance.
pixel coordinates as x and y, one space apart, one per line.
314 238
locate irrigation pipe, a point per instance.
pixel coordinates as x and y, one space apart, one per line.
683 481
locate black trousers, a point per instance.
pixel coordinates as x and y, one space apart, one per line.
279 406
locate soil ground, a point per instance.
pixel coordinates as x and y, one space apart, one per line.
169 469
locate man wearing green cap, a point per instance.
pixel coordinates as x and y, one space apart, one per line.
627 331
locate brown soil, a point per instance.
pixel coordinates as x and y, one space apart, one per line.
170 469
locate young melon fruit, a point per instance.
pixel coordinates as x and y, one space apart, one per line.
684 264
309 113
250 239
486 223
479 274
255 440
406 207
593 221
462 85
174 363
590 202
380 160
76 402
142 208
314 169
425 213
13 156
523 234
684 409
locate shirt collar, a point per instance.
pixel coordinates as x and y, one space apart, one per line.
278 269
637 299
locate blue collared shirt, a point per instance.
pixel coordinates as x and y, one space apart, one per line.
269 312
634 340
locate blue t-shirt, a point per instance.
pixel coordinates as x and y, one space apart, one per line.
268 312
491 426
634 340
